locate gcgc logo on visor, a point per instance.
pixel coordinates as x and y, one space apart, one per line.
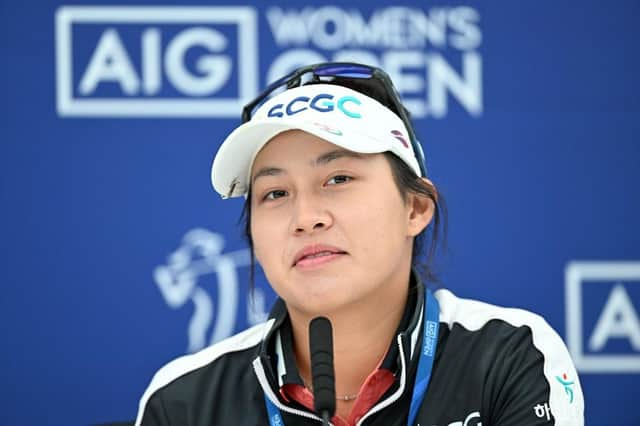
322 102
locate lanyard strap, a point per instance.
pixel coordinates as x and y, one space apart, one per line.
431 323
275 418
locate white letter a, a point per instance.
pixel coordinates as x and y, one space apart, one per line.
618 319
110 62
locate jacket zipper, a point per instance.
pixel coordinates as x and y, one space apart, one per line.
393 398
266 388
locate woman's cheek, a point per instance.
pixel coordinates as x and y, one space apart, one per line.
258 238
265 242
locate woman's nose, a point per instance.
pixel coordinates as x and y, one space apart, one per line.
310 215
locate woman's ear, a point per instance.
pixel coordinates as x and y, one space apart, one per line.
421 209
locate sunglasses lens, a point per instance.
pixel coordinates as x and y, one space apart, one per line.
348 71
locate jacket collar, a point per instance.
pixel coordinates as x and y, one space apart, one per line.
276 349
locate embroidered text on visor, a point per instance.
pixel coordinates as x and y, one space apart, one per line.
322 102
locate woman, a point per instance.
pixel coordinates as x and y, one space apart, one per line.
337 206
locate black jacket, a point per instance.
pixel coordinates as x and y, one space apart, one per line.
493 366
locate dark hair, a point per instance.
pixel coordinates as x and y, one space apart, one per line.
407 183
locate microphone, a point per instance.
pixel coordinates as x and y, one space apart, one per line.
322 373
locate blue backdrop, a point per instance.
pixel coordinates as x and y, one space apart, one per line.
117 255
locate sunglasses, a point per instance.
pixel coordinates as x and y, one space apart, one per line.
344 73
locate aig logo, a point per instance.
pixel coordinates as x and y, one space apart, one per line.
603 325
155 61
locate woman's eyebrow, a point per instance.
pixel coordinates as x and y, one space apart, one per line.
322 160
267 171
334 155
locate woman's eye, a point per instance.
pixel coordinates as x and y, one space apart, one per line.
272 195
338 180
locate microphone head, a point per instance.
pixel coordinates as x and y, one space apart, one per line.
322 372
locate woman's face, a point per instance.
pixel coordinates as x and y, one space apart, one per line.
329 226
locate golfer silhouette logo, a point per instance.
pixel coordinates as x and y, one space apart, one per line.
181 280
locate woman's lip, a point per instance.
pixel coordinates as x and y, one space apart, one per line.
311 262
315 249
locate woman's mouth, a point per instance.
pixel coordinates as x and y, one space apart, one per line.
317 255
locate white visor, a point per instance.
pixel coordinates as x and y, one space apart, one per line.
337 114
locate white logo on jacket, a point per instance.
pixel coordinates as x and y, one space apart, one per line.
467 420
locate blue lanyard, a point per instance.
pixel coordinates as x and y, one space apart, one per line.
425 363
431 324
